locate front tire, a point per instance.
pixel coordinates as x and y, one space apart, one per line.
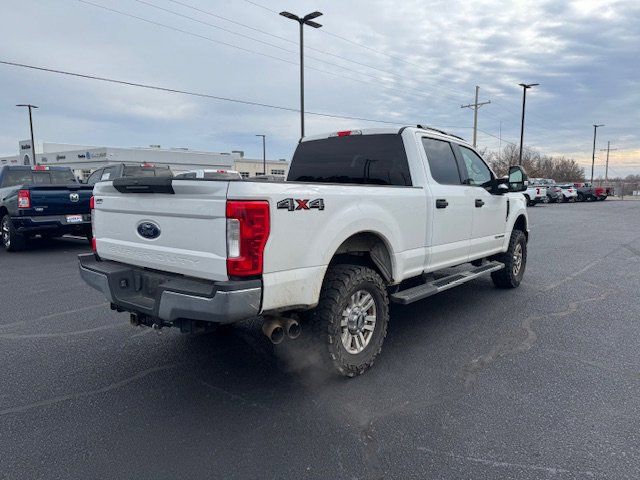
11 240
351 319
515 262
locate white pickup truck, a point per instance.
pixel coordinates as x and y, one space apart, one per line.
535 194
364 218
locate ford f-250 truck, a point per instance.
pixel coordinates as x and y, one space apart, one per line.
41 200
364 218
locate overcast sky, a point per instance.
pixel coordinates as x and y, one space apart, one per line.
408 62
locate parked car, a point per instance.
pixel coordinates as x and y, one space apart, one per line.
535 195
210 175
588 192
121 170
553 191
41 200
360 213
554 194
569 193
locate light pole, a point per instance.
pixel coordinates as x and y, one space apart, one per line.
593 156
33 145
264 154
306 20
525 87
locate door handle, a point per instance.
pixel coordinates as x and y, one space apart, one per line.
479 203
442 203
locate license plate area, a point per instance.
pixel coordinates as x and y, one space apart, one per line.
74 219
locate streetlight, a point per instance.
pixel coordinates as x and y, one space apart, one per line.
593 156
264 154
33 145
306 20
525 87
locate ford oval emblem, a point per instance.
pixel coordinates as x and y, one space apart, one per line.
149 230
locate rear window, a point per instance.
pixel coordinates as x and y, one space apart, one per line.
17 177
54 177
24 177
222 176
361 159
135 171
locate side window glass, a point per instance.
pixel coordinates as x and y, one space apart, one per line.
442 161
93 178
478 172
107 174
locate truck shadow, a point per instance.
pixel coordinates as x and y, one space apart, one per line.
69 244
243 352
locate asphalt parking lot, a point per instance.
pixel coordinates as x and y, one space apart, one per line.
538 382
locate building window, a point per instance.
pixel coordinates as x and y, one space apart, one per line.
277 172
244 174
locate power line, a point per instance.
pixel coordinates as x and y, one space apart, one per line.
186 32
324 52
395 57
204 95
278 46
437 87
495 136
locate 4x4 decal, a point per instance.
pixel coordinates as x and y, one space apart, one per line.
292 204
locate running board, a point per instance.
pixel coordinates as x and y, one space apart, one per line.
425 290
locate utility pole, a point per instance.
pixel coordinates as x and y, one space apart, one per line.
264 154
475 107
33 145
306 20
593 156
606 168
525 87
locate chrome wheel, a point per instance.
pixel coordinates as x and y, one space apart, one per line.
6 234
517 259
358 322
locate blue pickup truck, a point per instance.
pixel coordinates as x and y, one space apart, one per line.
41 200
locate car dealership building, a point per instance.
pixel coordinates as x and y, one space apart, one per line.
84 159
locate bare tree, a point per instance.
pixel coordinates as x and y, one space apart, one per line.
536 164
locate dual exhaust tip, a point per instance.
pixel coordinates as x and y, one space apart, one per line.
277 328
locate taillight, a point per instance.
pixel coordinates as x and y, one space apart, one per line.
247 234
24 199
92 206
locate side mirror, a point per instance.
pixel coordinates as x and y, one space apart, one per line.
517 179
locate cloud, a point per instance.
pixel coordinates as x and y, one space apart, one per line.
421 62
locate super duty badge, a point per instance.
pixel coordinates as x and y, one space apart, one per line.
292 204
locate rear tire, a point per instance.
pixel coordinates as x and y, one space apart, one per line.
350 322
11 240
515 262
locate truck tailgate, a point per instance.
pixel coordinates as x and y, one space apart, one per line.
182 232
60 199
